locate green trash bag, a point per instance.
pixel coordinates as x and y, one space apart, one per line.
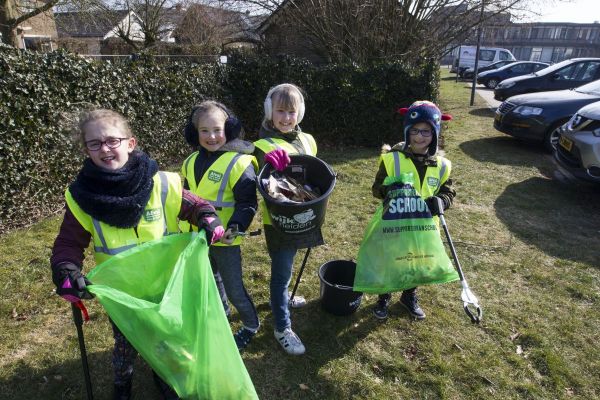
401 247
163 297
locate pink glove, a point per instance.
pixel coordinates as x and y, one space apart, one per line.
278 158
213 228
217 234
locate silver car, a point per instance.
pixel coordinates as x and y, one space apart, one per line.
578 148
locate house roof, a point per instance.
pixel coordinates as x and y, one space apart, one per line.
80 24
239 26
268 19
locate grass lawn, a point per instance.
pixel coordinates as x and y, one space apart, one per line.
529 245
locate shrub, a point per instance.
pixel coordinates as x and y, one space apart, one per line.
42 94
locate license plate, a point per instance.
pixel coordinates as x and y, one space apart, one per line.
566 143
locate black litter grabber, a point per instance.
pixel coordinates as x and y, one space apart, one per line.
300 274
467 296
78 319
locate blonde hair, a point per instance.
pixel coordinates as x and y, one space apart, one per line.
286 95
206 107
101 114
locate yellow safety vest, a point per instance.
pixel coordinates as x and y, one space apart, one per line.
396 163
216 186
269 144
158 219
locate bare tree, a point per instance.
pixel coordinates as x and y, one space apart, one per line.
15 12
362 30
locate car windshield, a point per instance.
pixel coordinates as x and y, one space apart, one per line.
552 68
590 88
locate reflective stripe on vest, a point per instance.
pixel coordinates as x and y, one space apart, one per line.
164 189
395 163
229 168
306 140
165 199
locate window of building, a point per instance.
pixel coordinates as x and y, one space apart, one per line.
536 53
568 52
525 54
558 54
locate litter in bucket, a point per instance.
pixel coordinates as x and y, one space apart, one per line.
300 218
337 294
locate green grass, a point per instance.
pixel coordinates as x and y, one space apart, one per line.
528 244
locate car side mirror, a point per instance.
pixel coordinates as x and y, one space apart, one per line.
554 77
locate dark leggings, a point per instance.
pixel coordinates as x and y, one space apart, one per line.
123 357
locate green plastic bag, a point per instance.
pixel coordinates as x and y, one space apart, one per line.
401 247
163 297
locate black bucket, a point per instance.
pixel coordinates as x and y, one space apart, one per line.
305 217
337 294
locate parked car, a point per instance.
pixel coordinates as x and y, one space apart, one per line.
563 75
491 78
578 148
487 56
468 73
538 116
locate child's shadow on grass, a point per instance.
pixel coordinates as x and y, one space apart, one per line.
326 337
65 380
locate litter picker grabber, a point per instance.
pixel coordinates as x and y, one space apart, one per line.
467 296
300 274
77 308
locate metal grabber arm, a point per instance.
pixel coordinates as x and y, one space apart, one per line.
468 298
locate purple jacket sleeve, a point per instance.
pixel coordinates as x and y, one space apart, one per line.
71 242
195 209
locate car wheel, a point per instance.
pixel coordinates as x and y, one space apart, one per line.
492 83
552 135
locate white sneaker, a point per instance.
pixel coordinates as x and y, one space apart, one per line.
290 342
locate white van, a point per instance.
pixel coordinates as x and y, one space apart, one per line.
465 57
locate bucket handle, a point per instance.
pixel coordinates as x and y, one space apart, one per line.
342 287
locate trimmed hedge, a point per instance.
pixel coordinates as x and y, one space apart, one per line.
42 94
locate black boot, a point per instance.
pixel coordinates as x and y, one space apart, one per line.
410 302
122 392
380 311
165 390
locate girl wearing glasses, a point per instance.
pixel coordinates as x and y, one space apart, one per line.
119 199
418 153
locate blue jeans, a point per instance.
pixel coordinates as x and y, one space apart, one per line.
282 262
227 260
